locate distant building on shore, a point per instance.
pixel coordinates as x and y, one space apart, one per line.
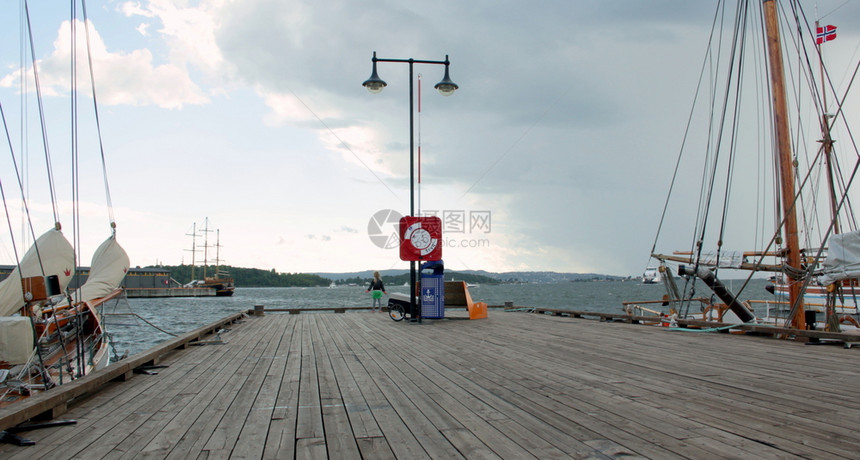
136 278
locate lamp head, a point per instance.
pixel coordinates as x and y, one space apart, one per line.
446 87
374 84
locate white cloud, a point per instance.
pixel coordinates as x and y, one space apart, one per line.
566 124
120 78
189 32
134 9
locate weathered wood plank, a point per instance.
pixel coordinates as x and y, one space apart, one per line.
241 398
339 438
357 385
407 394
252 439
199 418
104 429
309 425
43 402
162 413
280 438
361 419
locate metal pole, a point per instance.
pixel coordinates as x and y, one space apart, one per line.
375 84
414 308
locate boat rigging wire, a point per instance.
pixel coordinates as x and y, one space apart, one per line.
142 319
3 192
721 121
97 119
75 157
684 138
42 120
343 143
706 63
732 151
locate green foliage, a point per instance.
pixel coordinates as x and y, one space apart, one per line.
400 279
254 277
248 277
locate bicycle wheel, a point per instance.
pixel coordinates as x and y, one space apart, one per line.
395 312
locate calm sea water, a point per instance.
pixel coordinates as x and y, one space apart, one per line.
139 324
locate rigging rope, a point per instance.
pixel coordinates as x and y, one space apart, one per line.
3 192
23 198
686 134
75 157
719 124
98 123
144 320
43 123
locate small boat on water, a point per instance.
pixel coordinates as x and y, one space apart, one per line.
770 179
651 276
51 335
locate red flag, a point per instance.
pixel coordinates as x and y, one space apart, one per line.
825 34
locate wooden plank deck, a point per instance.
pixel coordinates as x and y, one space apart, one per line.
515 385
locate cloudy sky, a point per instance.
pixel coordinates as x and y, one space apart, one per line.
555 153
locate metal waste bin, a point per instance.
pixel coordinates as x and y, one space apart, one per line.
433 289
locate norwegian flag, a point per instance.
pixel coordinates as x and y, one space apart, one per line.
824 34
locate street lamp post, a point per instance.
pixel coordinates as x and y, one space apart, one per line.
446 87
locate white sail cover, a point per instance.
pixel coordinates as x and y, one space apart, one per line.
727 259
57 258
843 258
109 267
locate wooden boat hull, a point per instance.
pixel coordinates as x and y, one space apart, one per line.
71 344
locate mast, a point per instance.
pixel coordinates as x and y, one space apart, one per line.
217 251
193 236
205 245
784 157
826 141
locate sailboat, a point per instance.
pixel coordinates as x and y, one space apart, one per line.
221 281
771 179
51 335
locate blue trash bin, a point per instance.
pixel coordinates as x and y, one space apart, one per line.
433 289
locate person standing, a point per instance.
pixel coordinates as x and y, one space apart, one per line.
376 288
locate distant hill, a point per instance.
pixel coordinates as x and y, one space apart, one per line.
253 277
248 277
398 277
476 276
366 274
545 277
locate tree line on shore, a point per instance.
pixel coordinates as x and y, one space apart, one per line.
400 279
247 277
255 277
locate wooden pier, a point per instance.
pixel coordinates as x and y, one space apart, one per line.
134 293
514 385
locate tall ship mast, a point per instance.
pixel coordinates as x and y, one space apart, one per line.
762 183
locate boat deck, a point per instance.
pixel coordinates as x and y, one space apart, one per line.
515 385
